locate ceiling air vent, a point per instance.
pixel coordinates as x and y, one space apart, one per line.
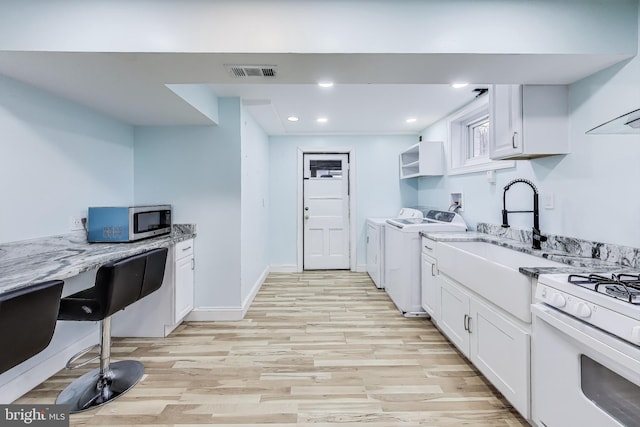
242 71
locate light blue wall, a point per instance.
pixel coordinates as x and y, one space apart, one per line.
197 170
57 159
595 186
255 204
379 191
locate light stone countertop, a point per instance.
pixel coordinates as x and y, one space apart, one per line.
24 263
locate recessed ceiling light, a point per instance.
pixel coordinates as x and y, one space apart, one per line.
459 85
293 118
412 120
322 120
325 84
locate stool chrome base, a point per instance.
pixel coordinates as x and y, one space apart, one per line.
94 389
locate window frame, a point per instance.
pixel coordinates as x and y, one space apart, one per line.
459 140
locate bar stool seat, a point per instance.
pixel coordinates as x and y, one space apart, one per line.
27 321
118 284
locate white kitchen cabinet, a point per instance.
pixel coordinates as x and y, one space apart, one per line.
422 159
528 121
454 314
430 285
500 349
494 343
159 313
183 291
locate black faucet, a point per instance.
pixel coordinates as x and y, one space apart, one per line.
537 237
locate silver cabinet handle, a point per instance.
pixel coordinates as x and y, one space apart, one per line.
464 322
193 263
513 140
186 249
432 272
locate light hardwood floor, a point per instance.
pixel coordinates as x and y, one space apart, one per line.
315 349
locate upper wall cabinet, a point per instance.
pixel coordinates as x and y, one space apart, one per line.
528 121
423 159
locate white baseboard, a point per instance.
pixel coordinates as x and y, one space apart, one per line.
254 291
212 314
283 268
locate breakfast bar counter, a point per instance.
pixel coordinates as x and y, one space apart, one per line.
24 263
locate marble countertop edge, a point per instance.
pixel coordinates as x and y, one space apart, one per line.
28 262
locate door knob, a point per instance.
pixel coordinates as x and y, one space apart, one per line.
306 217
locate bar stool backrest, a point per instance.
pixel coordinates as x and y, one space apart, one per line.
118 284
27 321
154 271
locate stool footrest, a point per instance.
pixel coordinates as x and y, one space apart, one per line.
70 363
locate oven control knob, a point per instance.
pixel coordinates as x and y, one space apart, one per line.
583 310
557 300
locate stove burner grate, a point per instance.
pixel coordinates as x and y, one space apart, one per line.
623 286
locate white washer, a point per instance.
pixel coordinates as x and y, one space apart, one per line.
402 255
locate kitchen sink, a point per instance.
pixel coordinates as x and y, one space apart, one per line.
492 272
506 257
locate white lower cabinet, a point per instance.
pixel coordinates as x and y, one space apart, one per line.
183 293
429 283
159 313
430 288
454 311
500 349
497 345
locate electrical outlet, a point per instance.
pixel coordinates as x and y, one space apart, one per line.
75 223
547 201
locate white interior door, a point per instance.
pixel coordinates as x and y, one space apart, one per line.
326 211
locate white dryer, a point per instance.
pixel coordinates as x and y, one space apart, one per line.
375 250
402 254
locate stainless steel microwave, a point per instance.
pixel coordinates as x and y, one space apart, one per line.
127 223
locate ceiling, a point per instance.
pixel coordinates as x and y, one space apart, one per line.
373 93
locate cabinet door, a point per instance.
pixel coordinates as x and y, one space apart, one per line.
454 309
373 255
506 121
183 295
430 288
500 350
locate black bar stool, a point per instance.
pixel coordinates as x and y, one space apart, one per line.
118 284
27 321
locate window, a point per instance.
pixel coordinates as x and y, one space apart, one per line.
326 168
469 134
477 141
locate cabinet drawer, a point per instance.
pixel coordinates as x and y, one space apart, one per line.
429 247
183 249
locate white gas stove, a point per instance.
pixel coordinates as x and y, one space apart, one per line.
609 301
586 350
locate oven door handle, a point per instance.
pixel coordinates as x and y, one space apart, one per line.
612 347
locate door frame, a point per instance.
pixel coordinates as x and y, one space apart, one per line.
300 202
